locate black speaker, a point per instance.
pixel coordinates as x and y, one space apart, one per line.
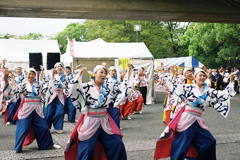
35 60
52 59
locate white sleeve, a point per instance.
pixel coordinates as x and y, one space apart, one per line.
220 100
76 92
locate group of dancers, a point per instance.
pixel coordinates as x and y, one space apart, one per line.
29 115
36 105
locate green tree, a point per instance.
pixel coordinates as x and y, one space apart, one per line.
7 36
228 37
160 37
108 30
73 31
32 36
213 44
173 31
155 36
52 36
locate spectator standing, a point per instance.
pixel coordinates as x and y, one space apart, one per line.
212 79
219 80
236 80
143 79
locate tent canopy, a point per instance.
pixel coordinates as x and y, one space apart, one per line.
16 52
98 40
100 49
184 62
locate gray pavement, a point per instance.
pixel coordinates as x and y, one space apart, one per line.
140 134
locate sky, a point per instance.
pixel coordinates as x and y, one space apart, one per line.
45 26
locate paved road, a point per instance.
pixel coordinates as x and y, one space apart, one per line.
140 134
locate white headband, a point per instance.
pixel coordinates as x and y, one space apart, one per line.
31 69
18 67
58 63
199 70
111 68
97 67
186 69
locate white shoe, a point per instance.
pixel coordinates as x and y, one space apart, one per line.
121 128
8 123
55 146
140 112
129 118
76 120
58 131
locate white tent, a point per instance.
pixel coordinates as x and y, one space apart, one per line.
100 49
99 40
94 52
16 52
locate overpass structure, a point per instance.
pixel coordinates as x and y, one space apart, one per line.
219 11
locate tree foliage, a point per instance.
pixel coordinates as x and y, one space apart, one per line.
213 44
7 36
32 36
160 37
73 31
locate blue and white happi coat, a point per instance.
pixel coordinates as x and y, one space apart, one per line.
197 101
31 92
86 95
162 82
69 79
56 87
18 79
219 100
93 102
109 80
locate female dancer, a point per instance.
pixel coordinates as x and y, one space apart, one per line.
95 123
192 137
30 116
14 104
136 99
71 110
114 112
133 99
125 109
55 98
